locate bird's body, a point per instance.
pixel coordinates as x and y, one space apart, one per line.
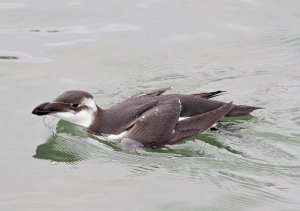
150 119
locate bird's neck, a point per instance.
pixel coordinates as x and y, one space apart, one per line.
108 121
96 126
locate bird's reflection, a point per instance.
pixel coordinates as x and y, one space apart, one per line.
70 143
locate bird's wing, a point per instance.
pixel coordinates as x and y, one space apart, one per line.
155 126
161 91
197 124
152 93
209 95
123 117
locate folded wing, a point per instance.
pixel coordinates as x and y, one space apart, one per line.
198 124
160 125
155 127
152 93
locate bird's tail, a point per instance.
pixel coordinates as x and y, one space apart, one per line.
239 110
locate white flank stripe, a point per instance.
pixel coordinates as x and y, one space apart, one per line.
117 136
183 118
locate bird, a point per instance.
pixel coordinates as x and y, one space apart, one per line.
147 119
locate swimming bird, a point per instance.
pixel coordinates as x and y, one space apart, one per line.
148 119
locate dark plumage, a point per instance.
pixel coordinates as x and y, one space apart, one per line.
150 118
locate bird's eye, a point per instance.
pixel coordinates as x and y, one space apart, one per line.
74 105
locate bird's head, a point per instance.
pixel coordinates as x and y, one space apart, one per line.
74 106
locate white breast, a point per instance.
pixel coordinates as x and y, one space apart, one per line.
83 118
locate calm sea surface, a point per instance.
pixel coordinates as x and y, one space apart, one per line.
114 49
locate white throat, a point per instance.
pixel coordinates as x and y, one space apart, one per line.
85 117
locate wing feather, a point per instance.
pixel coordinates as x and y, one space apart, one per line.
200 123
155 126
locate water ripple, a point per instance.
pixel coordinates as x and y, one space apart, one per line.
120 27
49 30
21 57
66 43
11 5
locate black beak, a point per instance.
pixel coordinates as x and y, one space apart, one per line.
42 109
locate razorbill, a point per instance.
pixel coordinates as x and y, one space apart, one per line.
150 119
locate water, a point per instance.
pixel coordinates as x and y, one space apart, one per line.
114 49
